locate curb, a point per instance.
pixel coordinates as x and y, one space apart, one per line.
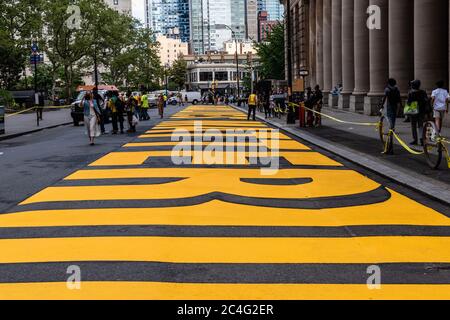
16 135
436 190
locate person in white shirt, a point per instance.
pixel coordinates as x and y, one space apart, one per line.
440 99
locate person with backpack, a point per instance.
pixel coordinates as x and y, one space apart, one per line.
130 108
440 99
417 108
116 107
391 101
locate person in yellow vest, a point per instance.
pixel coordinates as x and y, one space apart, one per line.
144 108
252 103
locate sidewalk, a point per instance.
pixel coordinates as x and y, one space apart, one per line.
361 145
23 124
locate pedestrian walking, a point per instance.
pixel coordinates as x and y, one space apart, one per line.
266 105
101 106
144 116
317 102
390 102
161 106
130 109
91 117
417 108
252 103
180 99
116 107
440 99
40 109
309 104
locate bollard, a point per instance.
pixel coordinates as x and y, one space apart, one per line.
302 115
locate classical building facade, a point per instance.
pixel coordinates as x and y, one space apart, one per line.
361 43
220 71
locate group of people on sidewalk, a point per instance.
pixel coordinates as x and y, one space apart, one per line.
268 102
419 106
96 110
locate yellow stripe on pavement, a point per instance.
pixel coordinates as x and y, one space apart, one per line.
233 292
229 250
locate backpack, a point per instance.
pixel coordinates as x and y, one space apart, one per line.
393 96
119 104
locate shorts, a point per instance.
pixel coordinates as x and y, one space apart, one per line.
439 114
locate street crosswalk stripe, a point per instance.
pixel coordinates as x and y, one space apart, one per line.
233 292
308 158
229 250
192 143
140 157
398 210
261 134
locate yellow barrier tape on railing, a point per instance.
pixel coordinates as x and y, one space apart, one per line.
376 124
33 108
405 146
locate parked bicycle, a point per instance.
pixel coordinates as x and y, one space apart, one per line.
434 146
385 132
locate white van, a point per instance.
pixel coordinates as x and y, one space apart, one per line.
193 97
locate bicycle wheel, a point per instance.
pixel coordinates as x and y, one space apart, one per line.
384 132
431 148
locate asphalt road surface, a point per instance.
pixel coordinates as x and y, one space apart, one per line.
147 217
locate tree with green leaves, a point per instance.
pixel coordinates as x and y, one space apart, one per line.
20 23
178 72
271 54
146 67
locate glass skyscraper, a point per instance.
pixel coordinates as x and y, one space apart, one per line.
274 9
208 20
168 17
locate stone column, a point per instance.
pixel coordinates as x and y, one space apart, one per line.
348 53
336 45
319 42
379 59
312 43
327 51
431 47
401 43
361 55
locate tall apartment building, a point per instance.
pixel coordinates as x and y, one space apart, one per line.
123 6
168 17
171 49
265 25
274 9
209 17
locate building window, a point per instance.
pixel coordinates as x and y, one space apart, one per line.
206 76
221 76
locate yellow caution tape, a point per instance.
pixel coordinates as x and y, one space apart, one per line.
16 113
33 108
405 146
377 124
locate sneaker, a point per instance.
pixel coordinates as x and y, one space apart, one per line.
413 143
